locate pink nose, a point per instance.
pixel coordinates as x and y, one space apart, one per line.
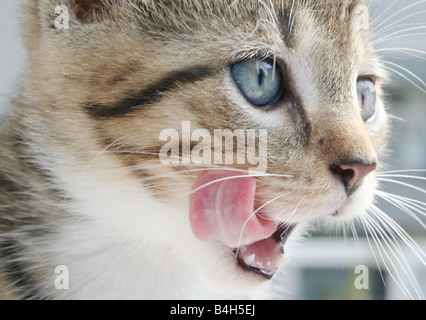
352 174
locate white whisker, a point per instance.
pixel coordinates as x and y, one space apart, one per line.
399 12
405 206
239 177
385 234
400 171
408 51
273 16
368 235
406 78
409 72
355 234
385 257
417 203
400 34
382 238
384 175
394 25
383 13
396 229
403 184
290 17
250 217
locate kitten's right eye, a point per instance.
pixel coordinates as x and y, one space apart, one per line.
367 98
260 81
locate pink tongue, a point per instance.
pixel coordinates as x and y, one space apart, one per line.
223 210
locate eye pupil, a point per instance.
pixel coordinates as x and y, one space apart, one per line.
261 76
260 81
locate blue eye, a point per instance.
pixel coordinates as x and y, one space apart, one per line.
260 81
367 98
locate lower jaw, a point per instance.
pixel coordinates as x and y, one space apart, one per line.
266 275
274 246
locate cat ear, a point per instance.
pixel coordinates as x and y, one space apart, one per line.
88 11
81 11
42 16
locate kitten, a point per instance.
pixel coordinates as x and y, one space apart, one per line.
84 193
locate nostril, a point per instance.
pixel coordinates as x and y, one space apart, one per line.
352 174
345 174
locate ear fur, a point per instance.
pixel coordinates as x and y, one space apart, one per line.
81 11
87 11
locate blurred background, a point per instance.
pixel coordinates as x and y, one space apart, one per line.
325 265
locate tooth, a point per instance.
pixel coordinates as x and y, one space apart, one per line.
284 261
248 260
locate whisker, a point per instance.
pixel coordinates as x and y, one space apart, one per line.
408 71
408 51
372 228
368 235
405 207
401 233
382 237
268 22
355 234
98 155
408 200
389 225
398 35
403 184
394 25
273 16
250 217
399 12
180 172
274 12
406 78
385 235
239 177
282 214
291 14
406 170
400 176
382 13
393 117
295 209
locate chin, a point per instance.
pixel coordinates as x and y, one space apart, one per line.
223 271
242 270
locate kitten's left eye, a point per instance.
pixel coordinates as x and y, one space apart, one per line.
367 98
260 81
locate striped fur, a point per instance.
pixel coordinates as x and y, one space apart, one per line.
80 183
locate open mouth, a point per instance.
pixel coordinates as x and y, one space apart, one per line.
264 257
222 209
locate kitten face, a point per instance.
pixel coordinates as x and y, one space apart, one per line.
146 68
